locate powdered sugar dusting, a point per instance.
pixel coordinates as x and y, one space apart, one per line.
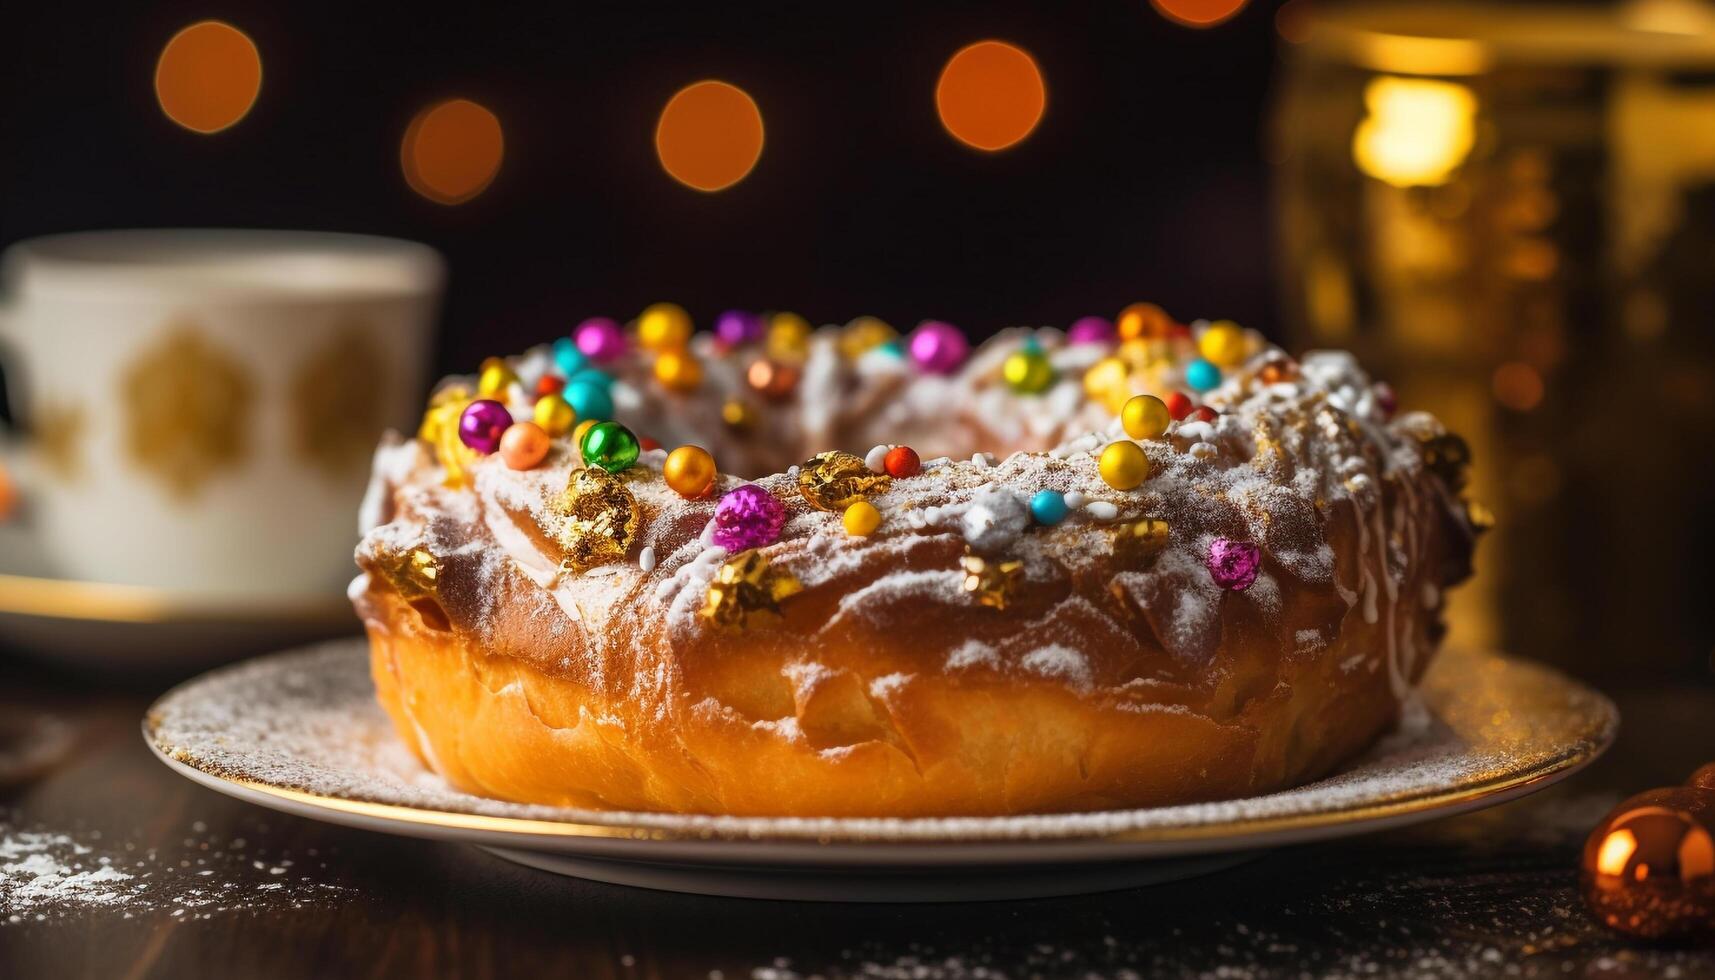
50 875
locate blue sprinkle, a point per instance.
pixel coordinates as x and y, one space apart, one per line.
893 347
1048 507
590 400
1201 375
590 375
568 358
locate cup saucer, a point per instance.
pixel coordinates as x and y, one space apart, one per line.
140 628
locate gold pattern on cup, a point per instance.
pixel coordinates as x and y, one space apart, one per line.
59 430
186 406
335 402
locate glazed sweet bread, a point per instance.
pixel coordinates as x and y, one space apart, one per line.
1037 592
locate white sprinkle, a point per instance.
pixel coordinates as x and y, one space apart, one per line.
1075 499
876 459
646 559
1101 510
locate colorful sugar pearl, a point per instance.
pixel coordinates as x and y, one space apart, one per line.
937 348
735 328
567 358
678 370
863 334
1123 465
901 462
582 429
1048 507
524 445
689 472
1090 330
649 445
773 380
748 517
553 414
1028 372
1178 405
738 415
1201 375
600 339
1202 413
1143 321
1386 399
482 423
610 446
1145 417
589 399
1279 370
1234 564
861 519
788 337
1223 344
663 327
550 384
1105 377
494 378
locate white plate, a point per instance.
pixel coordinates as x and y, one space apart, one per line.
136 628
301 732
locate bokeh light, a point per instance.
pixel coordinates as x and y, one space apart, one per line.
208 76
1518 386
452 151
1198 13
1418 130
990 95
709 135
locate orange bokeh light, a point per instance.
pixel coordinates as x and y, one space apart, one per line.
208 77
1518 386
1198 13
710 135
452 151
990 95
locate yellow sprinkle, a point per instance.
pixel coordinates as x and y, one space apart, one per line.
1145 417
1223 344
554 414
862 519
663 327
578 433
1123 465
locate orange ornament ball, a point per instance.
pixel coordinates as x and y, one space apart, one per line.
1703 778
524 445
690 472
1648 869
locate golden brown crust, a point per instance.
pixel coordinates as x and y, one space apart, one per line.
1113 677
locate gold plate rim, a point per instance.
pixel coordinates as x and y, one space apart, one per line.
1598 727
108 602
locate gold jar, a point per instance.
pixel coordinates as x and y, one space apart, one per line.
1510 212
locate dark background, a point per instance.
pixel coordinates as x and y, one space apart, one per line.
1145 179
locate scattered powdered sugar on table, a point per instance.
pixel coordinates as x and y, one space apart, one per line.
48 875
308 721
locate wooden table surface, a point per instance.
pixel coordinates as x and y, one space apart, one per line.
231 890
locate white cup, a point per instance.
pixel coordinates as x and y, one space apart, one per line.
200 407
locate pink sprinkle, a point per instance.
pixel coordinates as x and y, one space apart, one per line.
748 517
1234 564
